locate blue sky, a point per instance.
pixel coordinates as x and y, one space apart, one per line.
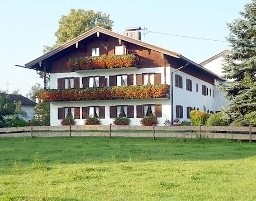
26 26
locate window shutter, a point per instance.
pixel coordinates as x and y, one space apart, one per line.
85 82
112 80
130 111
157 78
77 113
60 84
130 79
158 110
76 83
102 82
102 112
138 79
113 111
139 111
61 113
85 113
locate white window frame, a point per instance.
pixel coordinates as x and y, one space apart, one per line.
121 80
94 81
95 51
67 109
93 110
118 110
69 83
148 78
146 107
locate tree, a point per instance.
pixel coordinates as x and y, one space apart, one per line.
42 109
79 21
240 64
7 108
32 94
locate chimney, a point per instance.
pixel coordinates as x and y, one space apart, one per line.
133 32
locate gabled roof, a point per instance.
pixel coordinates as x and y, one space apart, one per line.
19 98
95 31
214 57
36 63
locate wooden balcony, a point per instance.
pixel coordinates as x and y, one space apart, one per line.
106 93
103 62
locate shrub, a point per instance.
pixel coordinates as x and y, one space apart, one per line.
149 121
250 119
16 122
92 121
218 119
122 121
68 120
198 117
185 123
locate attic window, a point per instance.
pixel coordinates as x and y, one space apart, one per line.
95 51
120 50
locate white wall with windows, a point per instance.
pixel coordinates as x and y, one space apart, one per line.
93 105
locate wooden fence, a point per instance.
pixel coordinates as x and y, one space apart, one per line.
225 132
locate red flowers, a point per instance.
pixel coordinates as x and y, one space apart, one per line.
103 62
106 93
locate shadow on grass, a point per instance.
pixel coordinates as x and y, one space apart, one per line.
41 152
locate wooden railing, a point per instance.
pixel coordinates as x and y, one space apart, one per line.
220 132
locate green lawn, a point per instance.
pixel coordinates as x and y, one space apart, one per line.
92 168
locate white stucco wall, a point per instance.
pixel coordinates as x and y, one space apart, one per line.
216 66
181 96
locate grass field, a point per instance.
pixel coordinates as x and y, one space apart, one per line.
92 168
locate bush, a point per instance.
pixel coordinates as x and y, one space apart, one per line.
218 119
149 121
122 121
198 118
185 123
92 121
16 122
250 119
69 120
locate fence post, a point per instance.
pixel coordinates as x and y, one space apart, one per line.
154 132
69 130
110 130
250 132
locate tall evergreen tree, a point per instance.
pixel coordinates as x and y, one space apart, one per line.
240 64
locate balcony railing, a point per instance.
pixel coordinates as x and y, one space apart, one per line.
106 93
103 62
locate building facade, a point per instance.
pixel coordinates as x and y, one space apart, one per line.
104 74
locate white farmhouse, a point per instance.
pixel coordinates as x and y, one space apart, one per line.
102 73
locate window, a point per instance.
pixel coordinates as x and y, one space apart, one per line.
95 51
204 90
94 111
189 109
148 79
120 50
179 111
121 111
69 83
189 84
69 111
94 81
196 87
121 80
210 92
178 81
149 110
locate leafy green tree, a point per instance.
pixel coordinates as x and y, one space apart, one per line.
79 21
35 89
42 114
240 64
7 108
